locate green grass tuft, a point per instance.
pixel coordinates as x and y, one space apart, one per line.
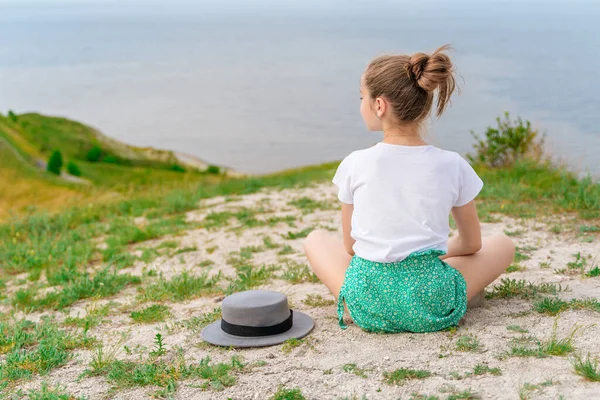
154 313
400 376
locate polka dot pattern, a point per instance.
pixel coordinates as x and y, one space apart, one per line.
418 294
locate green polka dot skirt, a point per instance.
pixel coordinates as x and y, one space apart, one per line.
418 294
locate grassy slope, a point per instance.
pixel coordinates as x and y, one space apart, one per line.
34 136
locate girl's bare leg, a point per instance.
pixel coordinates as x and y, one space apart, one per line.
328 259
482 268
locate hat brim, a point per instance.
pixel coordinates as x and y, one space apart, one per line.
302 325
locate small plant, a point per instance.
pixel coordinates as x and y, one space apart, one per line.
510 142
516 328
154 313
400 376
587 368
47 392
468 343
287 394
73 169
484 369
512 288
268 242
55 163
298 273
515 267
196 324
355 370
287 249
550 306
298 235
291 344
316 300
159 346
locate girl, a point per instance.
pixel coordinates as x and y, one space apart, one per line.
396 270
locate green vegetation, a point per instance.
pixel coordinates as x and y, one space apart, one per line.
287 394
55 163
587 368
181 287
468 343
298 273
154 313
355 370
46 392
73 169
400 376
316 300
36 348
529 346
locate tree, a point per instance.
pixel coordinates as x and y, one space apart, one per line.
55 163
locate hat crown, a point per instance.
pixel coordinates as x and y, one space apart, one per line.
255 308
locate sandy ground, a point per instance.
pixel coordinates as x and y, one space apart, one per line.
316 366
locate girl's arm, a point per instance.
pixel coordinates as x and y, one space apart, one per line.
347 210
468 240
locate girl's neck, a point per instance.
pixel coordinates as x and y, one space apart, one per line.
404 136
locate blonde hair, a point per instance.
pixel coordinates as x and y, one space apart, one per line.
409 82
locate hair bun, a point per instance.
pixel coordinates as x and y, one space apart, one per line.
430 71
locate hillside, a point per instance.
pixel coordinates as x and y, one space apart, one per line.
106 167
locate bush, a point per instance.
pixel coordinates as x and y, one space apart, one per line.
13 117
213 169
73 169
94 154
510 142
177 168
55 163
111 160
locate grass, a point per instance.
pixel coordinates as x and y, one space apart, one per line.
400 376
166 373
105 282
299 234
181 287
93 316
249 277
587 368
148 315
36 348
287 394
316 300
509 288
197 323
468 343
554 305
484 369
46 392
528 346
309 206
291 344
360 372
298 273
516 328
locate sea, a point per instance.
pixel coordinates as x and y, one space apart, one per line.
265 85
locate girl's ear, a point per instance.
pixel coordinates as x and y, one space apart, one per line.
380 107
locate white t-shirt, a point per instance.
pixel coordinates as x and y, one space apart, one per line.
402 198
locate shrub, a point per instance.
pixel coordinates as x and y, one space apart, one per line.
13 117
73 169
177 168
111 159
55 163
511 141
213 169
94 154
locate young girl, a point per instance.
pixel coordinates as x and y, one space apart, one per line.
396 269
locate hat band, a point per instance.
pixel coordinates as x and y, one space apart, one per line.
251 331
